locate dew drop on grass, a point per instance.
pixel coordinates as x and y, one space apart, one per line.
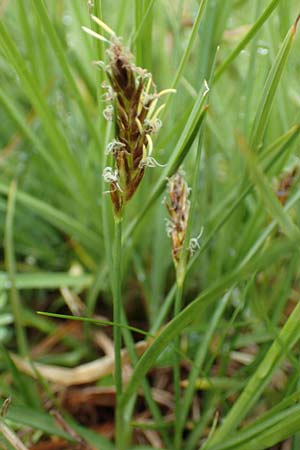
23 156
67 20
71 42
7 284
141 277
262 51
30 260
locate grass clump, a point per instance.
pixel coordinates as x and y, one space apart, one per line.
146 342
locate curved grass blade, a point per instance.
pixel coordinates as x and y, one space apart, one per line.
261 119
267 434
57 218
247 38
65 67
15 115
26 392
57 138
104 323
288 336
187 51
268 159
23 415
267 195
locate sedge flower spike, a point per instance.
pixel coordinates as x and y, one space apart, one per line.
131 98
178 206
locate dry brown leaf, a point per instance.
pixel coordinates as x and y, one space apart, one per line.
83 374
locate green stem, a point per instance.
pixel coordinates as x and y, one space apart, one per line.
181 274
177 307
154 409
117 308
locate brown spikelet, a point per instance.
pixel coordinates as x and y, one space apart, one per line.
131 98
178 209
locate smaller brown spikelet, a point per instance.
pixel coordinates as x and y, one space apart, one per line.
178 208
286 184
132 98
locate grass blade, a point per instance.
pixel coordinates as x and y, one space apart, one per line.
11 269
188 314
251 33
270 88
287 337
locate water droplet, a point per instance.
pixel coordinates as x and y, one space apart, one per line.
141 277
7 284
23 156
67 20
262 51
31 260
71 42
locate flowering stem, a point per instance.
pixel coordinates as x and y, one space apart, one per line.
180 276
117 307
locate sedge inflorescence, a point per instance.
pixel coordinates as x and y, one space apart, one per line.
132 100
178 206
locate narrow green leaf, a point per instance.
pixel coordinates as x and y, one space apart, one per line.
57 218
16 116
45 280
37 97
267 434
288 336
268 158
247 38
187 51
65 67
10 264
268 196
104 323
27 392
268 95
23 415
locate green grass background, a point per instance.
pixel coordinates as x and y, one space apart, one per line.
54 218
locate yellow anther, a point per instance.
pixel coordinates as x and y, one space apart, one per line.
152 108
148 85
150 143
96 35
155 115
138 122
103 25
166 91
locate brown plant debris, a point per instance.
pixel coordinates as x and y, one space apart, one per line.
286 184
82 374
